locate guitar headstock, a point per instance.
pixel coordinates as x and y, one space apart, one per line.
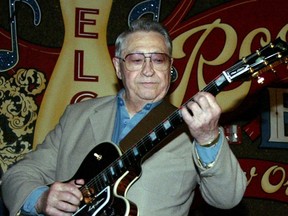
264 59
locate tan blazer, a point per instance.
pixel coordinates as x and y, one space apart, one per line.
168 180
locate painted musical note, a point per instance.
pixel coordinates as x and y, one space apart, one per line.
145 7
9 58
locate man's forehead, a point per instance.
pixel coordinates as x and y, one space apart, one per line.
142 40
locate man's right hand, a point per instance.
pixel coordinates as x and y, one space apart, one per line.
61 198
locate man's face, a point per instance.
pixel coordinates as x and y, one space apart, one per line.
146 84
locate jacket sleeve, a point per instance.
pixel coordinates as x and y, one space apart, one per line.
223 184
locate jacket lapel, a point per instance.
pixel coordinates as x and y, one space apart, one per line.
102 121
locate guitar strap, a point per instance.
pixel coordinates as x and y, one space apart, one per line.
147 124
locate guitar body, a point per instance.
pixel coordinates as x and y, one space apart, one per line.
105 200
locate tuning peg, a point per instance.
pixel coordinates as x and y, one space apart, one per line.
260 80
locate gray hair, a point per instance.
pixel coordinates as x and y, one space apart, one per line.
142 25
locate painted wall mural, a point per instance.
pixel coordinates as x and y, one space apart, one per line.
57 52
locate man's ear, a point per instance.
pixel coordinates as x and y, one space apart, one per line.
116 63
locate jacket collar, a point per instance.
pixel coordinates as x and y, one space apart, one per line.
102 120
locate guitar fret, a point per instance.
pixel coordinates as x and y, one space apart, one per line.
165 129
142 145
110 176
167 125
134 154
116 171
135 151
176 118
99 182
153 136
120 164
104 177
126 160
112 171
99 185
151 141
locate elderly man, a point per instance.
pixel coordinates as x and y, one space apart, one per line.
198 154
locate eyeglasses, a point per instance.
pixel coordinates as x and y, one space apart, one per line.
135 61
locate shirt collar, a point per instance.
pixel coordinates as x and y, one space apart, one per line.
121 102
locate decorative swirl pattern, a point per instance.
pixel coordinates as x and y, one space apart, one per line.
18 114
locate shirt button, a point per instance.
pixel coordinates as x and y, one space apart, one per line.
148 106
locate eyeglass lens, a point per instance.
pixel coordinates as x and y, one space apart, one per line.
135 61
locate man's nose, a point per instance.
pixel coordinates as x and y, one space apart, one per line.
148 67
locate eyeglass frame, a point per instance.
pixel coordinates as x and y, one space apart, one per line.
144 54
